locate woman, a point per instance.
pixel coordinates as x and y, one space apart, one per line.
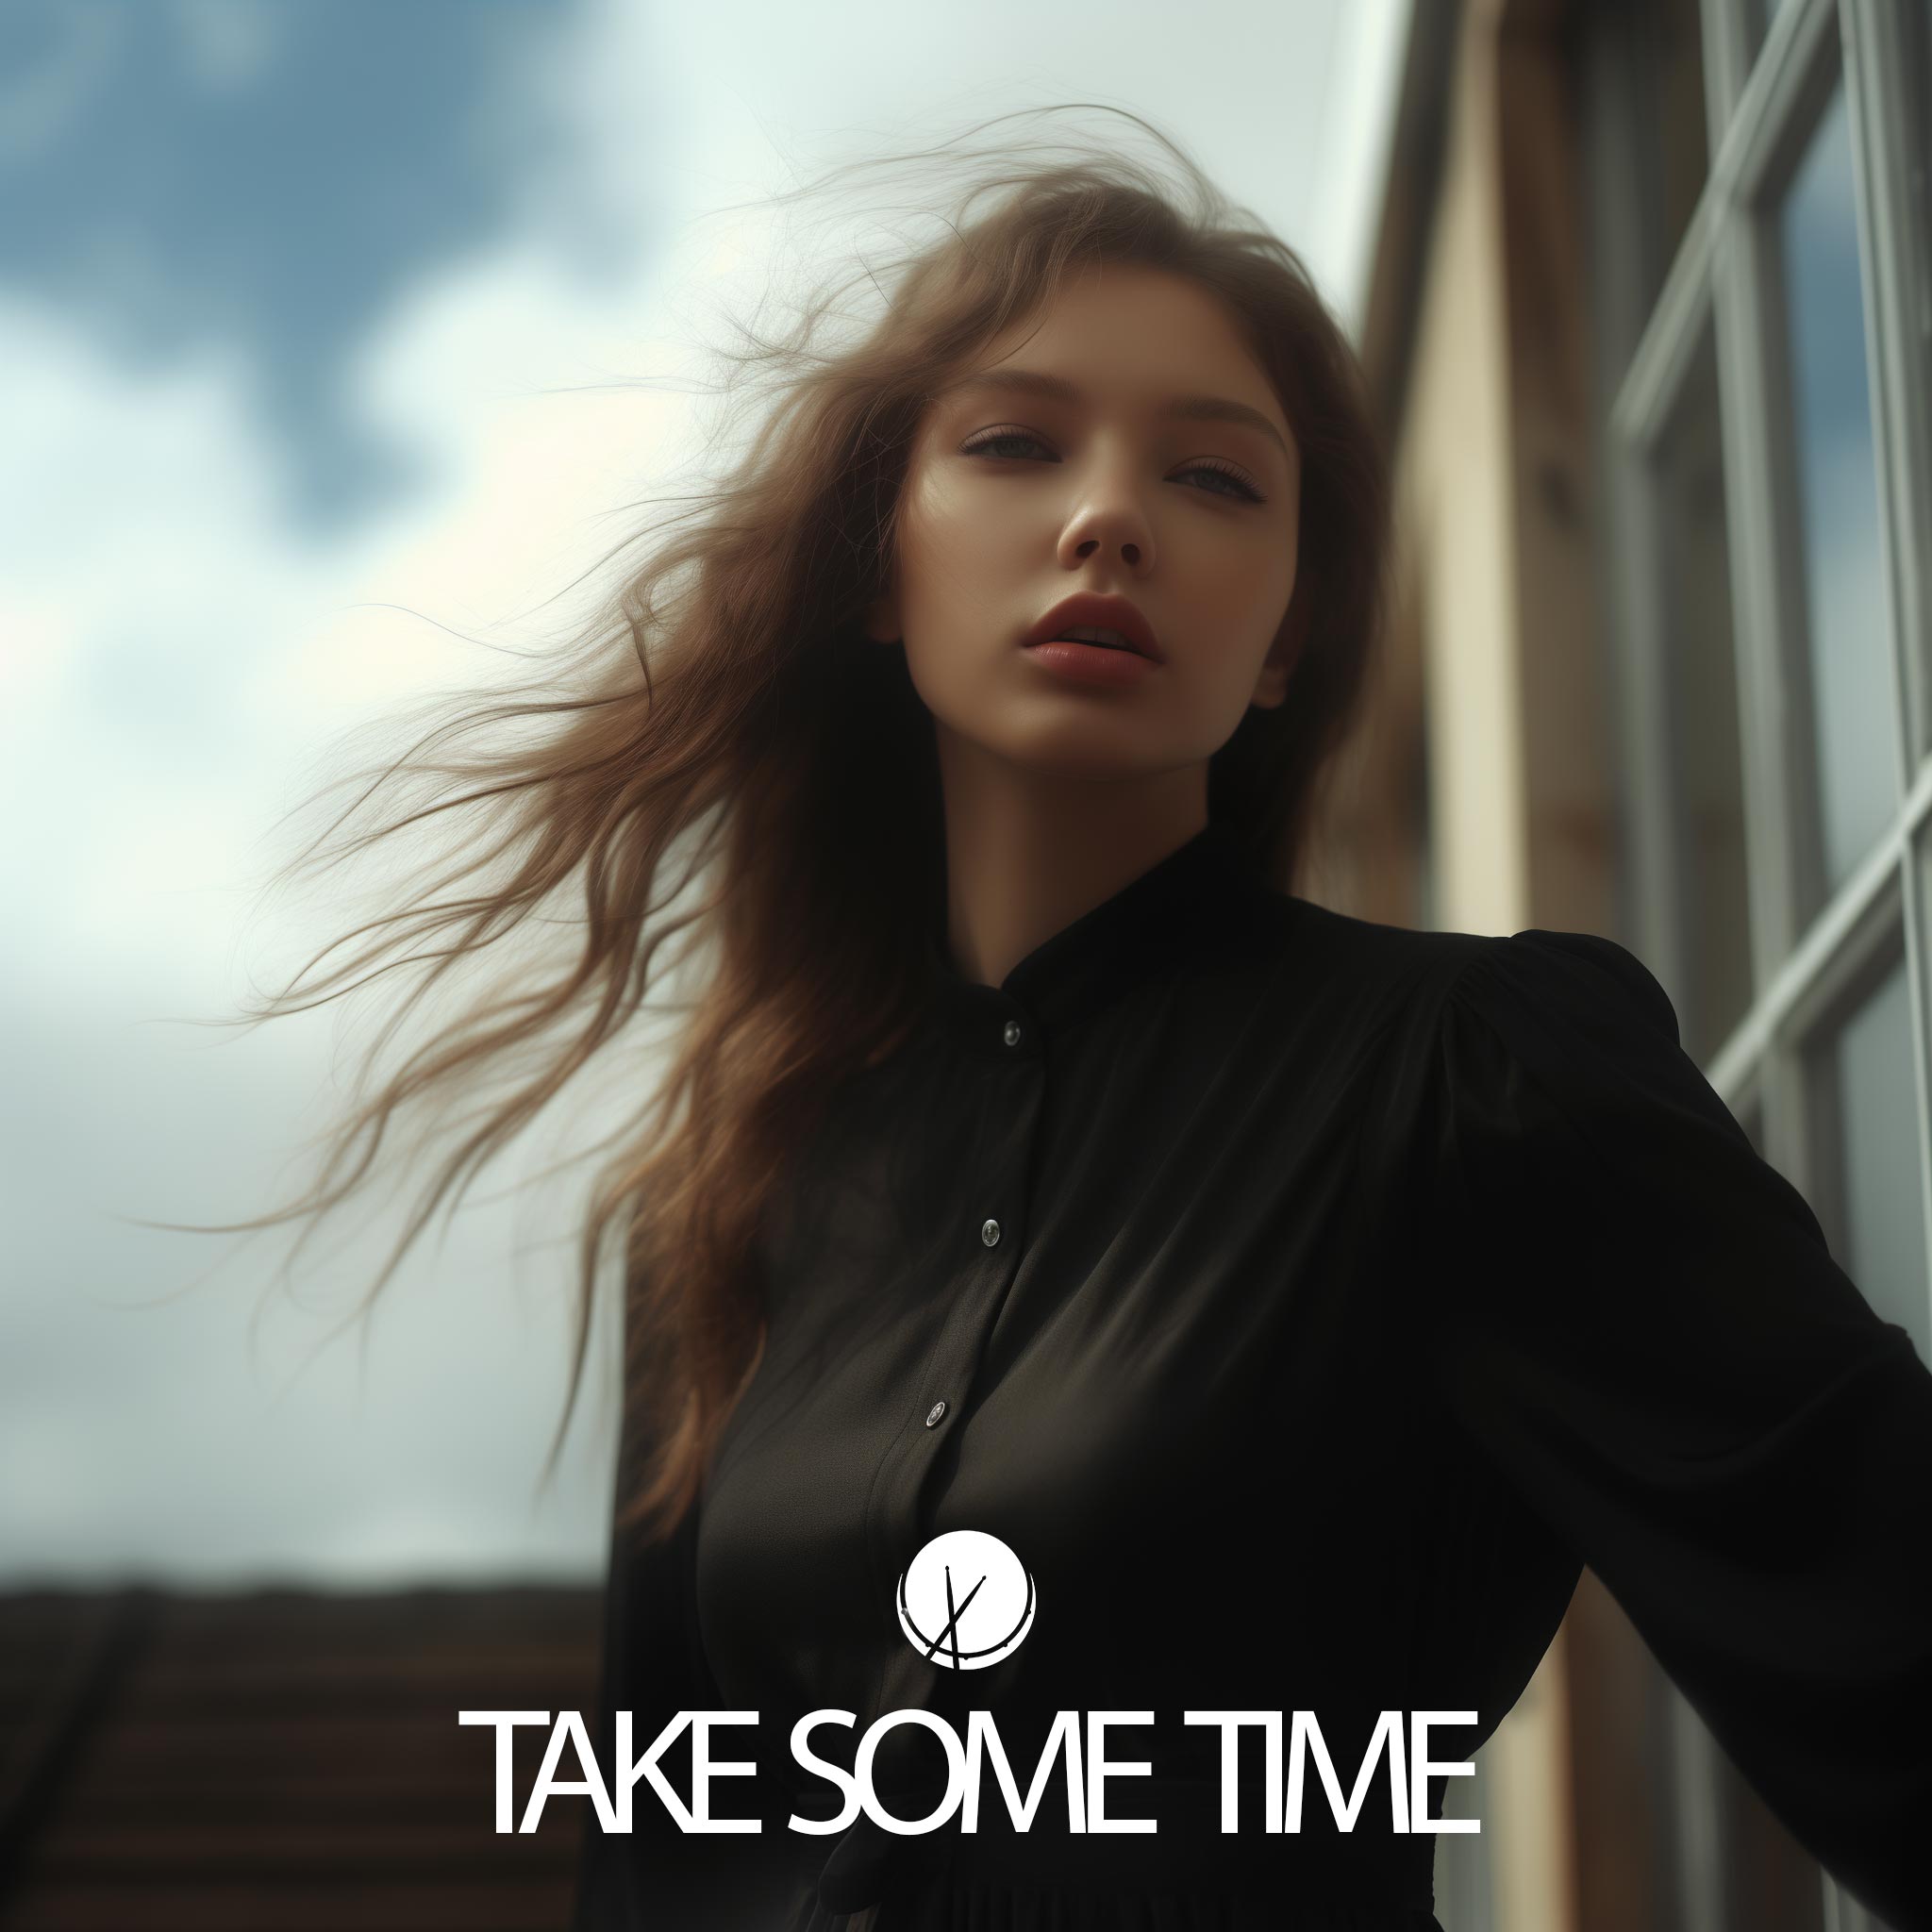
1301 1301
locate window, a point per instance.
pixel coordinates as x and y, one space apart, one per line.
1686 488
1872 1199
1766 350
1829 468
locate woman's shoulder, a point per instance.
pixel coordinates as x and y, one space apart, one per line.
1431 977
1471 1038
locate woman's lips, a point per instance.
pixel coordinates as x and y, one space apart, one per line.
1083 663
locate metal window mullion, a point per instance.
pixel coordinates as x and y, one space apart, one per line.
1702 1880
1741 154
1803 34
1727 36
1650 779
1749 402
1767 558
1784 1006
1843 1912
1646 404
1893 249
1652 387
1642 410
1891 244
1637 396
1912 897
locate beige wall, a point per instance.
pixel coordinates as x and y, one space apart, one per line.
1453 506
1493 610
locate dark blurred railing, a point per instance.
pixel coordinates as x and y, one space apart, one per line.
283 1760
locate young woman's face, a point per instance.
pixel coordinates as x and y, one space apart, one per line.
1016 497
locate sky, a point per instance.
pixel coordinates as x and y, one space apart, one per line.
329 340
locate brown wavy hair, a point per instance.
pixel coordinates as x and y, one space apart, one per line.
721 776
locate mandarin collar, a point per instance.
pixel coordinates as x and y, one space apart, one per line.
1192 905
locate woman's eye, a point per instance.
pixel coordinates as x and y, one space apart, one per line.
986 442
1243 487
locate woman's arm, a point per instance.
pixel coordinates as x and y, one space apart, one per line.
1639 1324
658 1878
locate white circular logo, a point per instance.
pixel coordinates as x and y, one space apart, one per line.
966 1601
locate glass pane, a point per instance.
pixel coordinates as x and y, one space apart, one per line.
1851 694
1882 1169
1658 46
1701 685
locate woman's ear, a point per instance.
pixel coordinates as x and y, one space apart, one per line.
1270 687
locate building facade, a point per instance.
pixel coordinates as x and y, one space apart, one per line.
1650 332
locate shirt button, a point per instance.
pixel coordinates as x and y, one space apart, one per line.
1012 1036
989 1233
934 1413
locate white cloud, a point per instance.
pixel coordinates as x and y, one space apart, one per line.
175 654
142 565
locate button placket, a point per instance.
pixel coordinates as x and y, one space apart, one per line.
1011 1034
1010 1048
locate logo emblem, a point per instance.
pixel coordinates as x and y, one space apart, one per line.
966 1601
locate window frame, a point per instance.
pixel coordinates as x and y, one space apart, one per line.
1763 109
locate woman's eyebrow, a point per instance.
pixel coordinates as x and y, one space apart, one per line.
1057 389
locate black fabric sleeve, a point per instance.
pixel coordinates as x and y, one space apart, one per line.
1636 1320
659 1878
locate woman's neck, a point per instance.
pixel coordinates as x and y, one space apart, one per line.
1028 852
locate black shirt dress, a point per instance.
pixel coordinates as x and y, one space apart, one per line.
1303 1300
